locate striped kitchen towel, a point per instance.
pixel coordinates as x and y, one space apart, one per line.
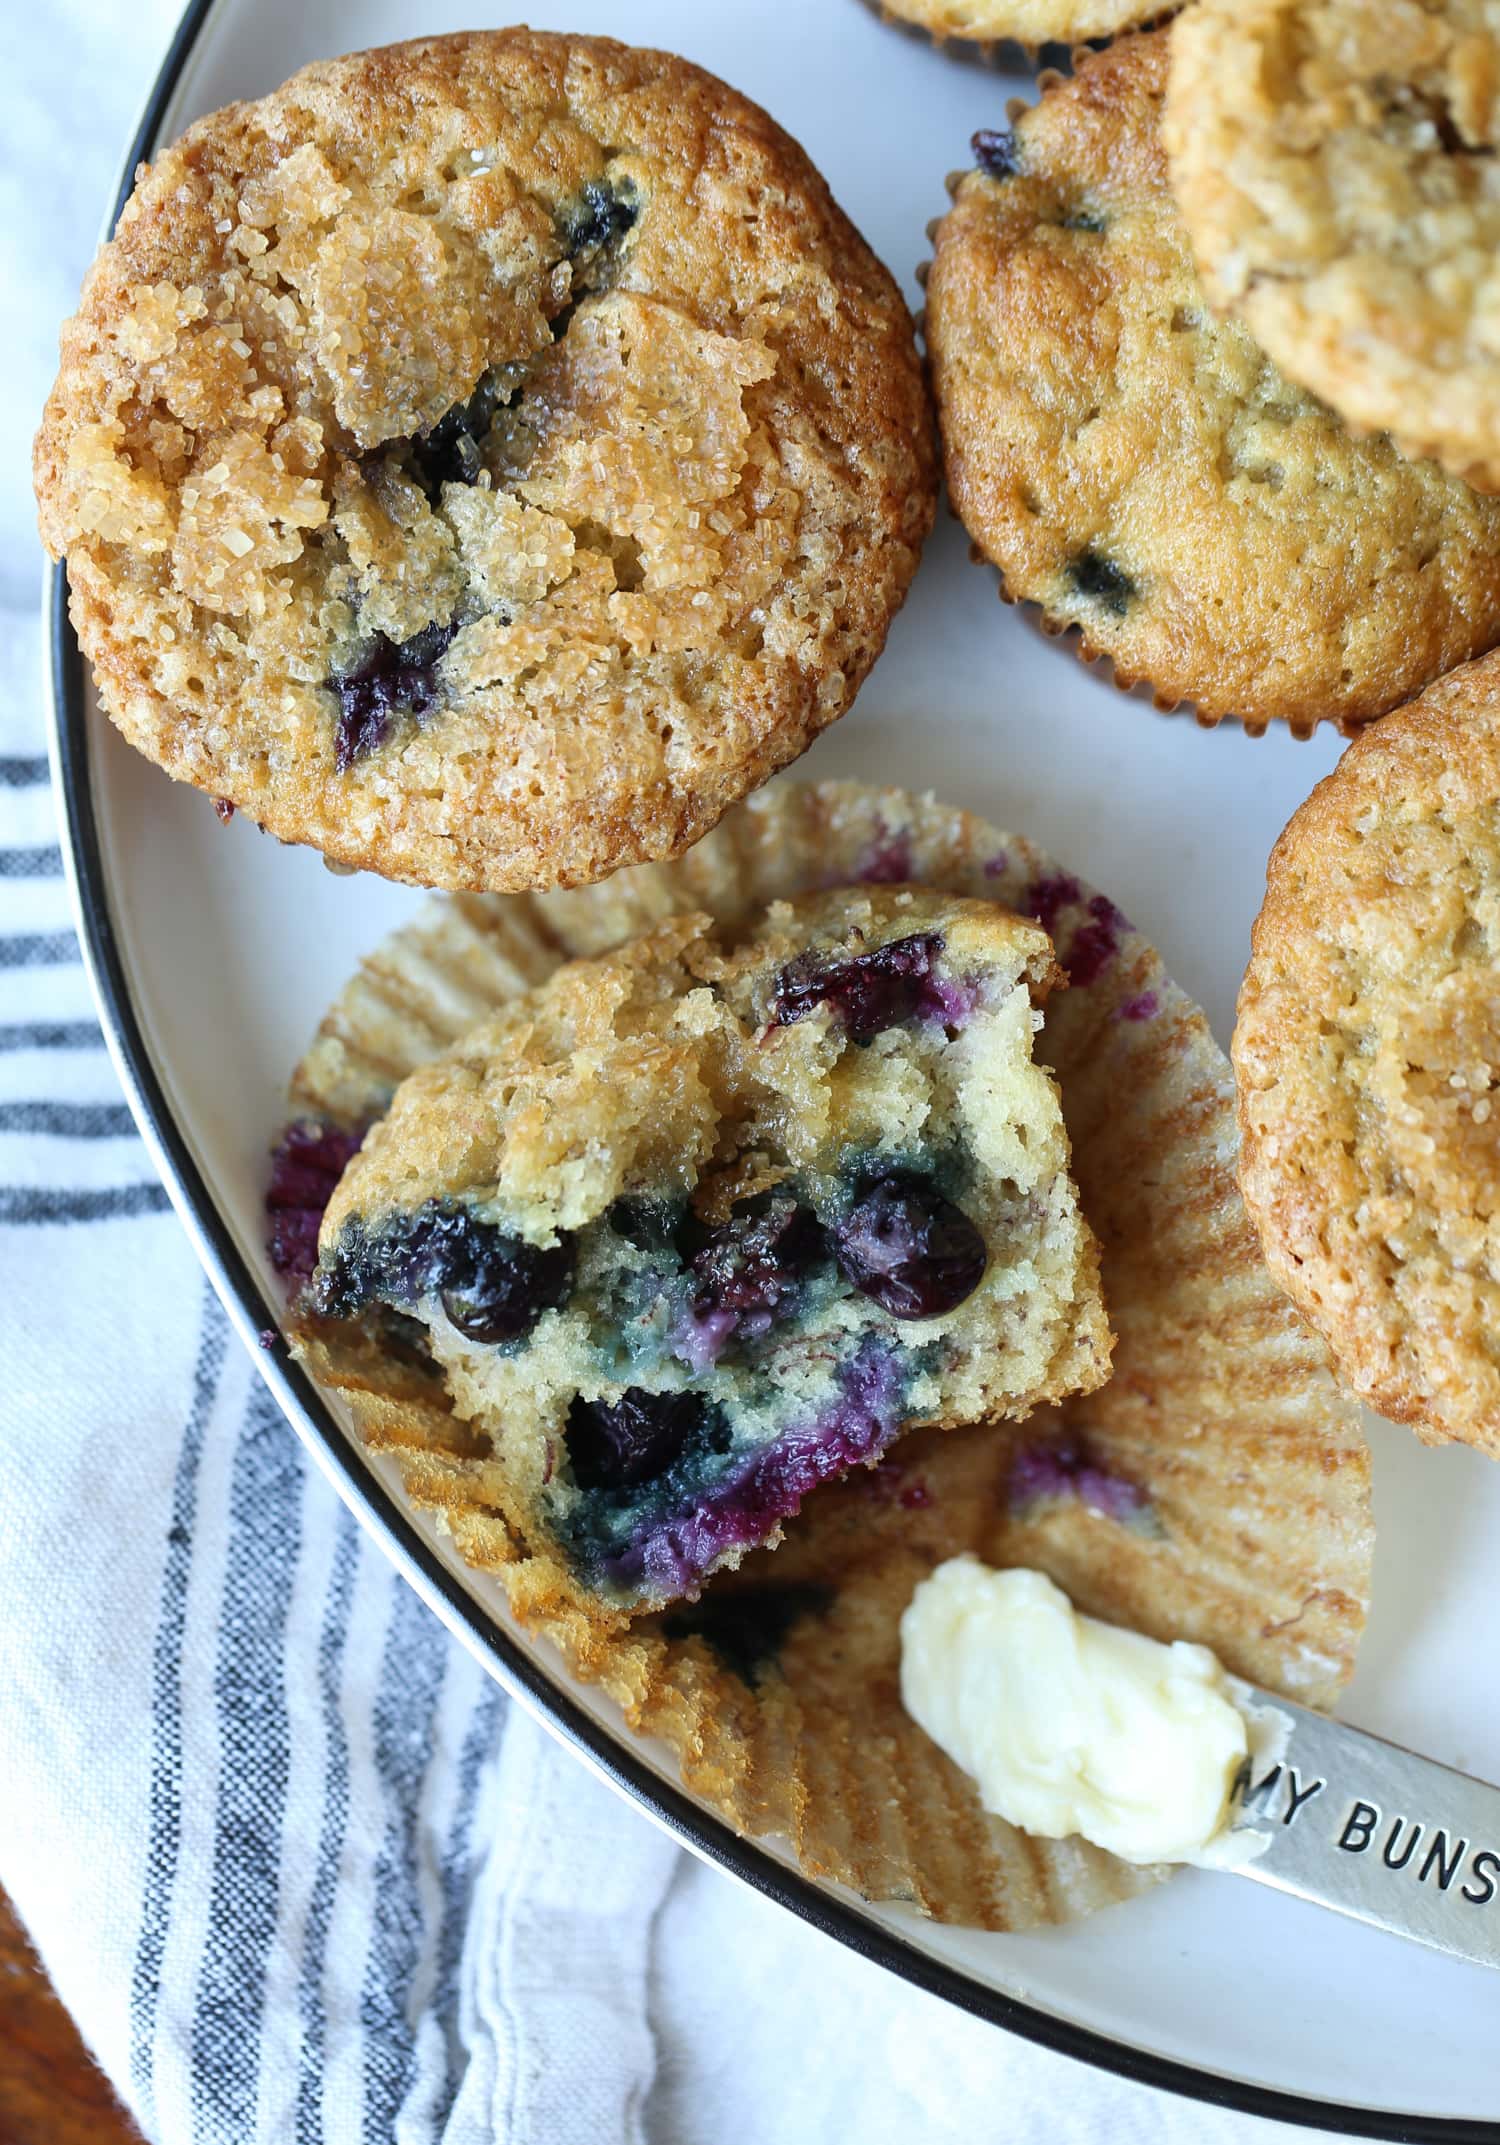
295 1865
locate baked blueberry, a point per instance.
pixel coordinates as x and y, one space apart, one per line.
875 990
391 678
492 1285
915 1252
995 152
616 1445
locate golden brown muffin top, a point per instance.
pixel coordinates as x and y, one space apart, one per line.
1335 162
1368 1054
1144 473
485 458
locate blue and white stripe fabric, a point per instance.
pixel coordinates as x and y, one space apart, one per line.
298 1870
250 1789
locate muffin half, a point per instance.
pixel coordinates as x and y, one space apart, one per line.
698 1225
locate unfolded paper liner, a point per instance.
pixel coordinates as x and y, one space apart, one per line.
1216 1489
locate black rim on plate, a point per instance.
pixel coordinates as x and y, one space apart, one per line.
392 1525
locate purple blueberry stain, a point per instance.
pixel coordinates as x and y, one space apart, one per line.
395 677
1047 897
873 991
669 1554
908 1248
888 859
997 866
699 1337
1088 949
1144 1006
954 1003
753 1262
891 1484
745 1276
1065 1467
306 1164
1095 942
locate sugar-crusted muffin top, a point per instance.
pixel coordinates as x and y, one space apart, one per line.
1335 161
1368 1055
1144 473
485 458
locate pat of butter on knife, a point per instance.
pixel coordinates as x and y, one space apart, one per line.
1071 1726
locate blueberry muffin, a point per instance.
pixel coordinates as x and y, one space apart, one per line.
1027 23
691 1229
1335 163
1144 473
1367 1048
1216 1488
486 458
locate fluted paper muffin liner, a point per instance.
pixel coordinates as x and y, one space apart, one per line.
1215 1489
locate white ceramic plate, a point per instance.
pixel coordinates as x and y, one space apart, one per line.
215 951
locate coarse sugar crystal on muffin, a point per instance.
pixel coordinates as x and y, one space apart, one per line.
1335 164
1144 473
692 1228
1367 1050
485 458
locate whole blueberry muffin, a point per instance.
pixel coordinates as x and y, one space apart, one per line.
1367 1048
485 459
694 1227
1335 161
1141 469
1028 23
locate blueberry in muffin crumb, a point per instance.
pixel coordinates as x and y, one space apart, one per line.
701 1224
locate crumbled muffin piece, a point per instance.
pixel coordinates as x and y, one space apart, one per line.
695 1227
